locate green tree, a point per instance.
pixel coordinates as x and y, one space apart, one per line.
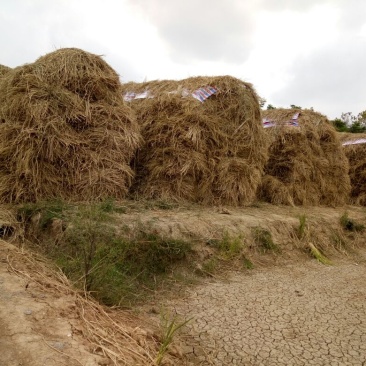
340 125
293 106
270 106
357 127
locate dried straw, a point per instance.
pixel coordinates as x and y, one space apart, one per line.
307 165
4 69
356 155
212 152
66 131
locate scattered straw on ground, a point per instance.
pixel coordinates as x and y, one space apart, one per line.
307 164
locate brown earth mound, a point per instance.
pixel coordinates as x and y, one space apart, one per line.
307 164
211 151
66 131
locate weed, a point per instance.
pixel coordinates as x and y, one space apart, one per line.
113 267
170 326
228 246
247 263
48 211
210 265
161 204
263 238
318 255
350 224
301 230
109 205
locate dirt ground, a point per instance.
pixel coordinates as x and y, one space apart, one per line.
300 314
295 311
33 329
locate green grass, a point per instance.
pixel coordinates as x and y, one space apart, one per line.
109 205
118 267
263 238
228 246
247 263
47 211
209 266
301 230
170 326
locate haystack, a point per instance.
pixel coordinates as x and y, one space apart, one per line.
354 145
66 131
209 148
307 164
4 69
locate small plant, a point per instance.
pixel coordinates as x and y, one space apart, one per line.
109 205
228 246
209 266
339 241
170 326
247 263
350 224
301 230
318 255
263 238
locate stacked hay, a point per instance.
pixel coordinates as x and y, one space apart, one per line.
210 151
354 145
307 164
66 131
4 69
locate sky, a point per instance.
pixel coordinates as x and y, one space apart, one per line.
305 52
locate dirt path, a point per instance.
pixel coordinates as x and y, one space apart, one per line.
300 314
34 327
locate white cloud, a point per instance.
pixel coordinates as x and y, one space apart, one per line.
276 45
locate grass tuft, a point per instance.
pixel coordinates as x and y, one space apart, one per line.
350 224
228 246
170 327
301 230
263 238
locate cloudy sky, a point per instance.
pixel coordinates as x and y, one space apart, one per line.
304 52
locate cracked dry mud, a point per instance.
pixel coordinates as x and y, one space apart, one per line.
299 314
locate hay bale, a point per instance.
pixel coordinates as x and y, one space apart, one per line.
4 69
211 152
354 145
306 165
66 131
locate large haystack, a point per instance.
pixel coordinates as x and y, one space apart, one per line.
354 145
211 151
307 164
66 131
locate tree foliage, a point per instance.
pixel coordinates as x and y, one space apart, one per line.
350 123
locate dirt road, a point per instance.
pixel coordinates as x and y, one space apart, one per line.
300 314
